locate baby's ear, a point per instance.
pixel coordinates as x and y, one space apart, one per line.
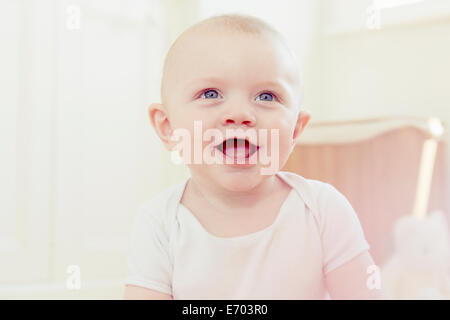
160 122
302 120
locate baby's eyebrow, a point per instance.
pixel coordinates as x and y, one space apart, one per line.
206 80
210 80
270 83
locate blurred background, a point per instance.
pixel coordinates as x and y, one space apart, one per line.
78 155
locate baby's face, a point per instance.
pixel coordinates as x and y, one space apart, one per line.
235 81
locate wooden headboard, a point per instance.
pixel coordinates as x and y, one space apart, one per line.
375 164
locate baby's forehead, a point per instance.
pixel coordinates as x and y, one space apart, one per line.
214 34
192 45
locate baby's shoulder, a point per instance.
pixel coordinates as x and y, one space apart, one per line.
161 206
315 194
311 189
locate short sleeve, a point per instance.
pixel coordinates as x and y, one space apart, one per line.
341 232
148 260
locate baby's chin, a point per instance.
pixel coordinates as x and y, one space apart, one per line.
240 180
234 179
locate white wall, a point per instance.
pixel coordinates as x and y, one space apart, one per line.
399 69
80 155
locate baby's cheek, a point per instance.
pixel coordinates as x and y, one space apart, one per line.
286 140
285 146
280 141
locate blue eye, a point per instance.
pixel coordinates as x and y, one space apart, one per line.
266 96
210 94
213 94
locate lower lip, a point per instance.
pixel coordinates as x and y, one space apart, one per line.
244 162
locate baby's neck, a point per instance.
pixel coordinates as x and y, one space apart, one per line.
229 201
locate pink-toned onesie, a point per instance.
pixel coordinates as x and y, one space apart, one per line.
315 231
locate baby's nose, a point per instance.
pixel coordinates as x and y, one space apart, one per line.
239 117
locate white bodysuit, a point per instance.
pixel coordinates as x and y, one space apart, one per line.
316 231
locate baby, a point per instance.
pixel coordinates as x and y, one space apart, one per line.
236 229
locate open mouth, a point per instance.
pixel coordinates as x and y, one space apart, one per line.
237 148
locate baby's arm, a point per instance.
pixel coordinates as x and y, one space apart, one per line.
349 281
148 263
346 252
141 293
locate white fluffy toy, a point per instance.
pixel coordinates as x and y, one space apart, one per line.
420 265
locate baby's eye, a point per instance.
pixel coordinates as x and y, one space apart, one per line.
210 94
266 96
